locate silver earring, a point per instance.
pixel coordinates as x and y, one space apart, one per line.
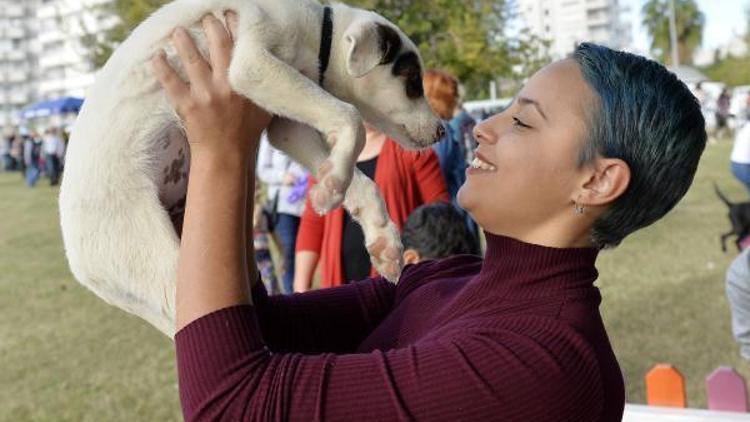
578 208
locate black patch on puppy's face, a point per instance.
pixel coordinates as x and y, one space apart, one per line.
407 66
390 43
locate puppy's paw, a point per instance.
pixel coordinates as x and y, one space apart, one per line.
327 195
386 252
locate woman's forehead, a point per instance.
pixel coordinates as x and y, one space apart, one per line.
561 91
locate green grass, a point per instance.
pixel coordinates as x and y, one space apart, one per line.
65 355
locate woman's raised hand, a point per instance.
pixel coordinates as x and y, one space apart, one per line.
217 120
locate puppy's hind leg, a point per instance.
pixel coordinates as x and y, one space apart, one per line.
272 83
363 200
366 206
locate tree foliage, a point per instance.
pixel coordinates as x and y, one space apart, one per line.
465 38
733 71
129 14
689 21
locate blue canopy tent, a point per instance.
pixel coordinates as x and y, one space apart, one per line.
57 106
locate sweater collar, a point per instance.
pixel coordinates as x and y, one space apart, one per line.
515 268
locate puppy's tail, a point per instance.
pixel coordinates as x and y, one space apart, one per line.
721 195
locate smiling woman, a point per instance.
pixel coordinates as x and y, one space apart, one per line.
575 164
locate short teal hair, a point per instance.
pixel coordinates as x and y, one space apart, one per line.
648 118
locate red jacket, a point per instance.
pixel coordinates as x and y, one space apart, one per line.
406 179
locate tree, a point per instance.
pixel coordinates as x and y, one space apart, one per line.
462 37
733 71
129 14
689 21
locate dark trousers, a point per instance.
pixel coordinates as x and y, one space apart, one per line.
286 230
52 168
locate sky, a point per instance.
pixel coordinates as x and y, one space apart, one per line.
723 18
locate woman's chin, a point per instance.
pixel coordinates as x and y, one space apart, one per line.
463 197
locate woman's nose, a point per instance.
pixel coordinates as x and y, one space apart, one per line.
483 132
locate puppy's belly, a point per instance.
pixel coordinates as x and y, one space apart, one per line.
171 176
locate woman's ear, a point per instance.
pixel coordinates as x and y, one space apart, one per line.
411 257
608 181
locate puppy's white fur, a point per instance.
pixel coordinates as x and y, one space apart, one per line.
127 162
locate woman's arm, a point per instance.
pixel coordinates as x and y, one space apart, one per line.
223 130
217 266
305 263
482 373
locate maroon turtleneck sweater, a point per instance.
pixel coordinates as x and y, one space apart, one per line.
514 337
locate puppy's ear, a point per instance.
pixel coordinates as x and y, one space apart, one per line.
369 44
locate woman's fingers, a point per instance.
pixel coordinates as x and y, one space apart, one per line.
198 71
177 90
219 44
232 22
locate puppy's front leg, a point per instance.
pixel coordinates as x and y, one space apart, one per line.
363 200
270 82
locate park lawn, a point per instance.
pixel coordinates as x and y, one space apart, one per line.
65 355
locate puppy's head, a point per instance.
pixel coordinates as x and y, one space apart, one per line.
383 79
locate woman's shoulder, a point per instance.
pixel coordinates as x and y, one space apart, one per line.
454 267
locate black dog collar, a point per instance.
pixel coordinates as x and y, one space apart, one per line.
324 55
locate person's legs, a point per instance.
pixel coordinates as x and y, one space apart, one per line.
286 229
32 175
742 173
52 165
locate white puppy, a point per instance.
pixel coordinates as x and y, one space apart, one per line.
317 69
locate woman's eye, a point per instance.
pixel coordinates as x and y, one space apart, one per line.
517 122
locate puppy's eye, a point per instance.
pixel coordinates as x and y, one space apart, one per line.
518 123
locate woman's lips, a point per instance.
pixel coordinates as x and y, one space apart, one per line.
481 164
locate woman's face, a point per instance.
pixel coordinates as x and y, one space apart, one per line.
529 176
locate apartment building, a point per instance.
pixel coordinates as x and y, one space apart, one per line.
41 51
18 63
567 23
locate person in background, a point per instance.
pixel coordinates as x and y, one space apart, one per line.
16 151
32 154
406 179
701 95
53 148
5 147
436 231
261 238
740 157
722 113
281 175
738 294
443 92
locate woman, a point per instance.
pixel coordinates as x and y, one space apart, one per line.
593 148
406 179
442 91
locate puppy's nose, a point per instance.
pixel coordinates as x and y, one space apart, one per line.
440 132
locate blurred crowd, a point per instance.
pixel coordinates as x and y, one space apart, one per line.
34 155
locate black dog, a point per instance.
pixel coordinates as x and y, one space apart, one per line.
739 216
